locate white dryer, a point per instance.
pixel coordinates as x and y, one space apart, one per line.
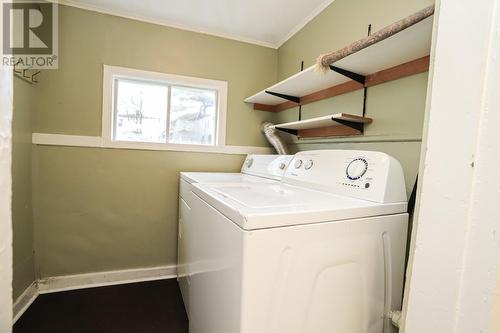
321 251
255 169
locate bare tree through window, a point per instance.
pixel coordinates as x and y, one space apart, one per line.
141 111
192 116
142 108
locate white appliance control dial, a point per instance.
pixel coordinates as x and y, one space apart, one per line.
308 164
298 164
357 168
249 162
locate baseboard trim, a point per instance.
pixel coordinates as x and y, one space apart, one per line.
24 300
100 279
89 280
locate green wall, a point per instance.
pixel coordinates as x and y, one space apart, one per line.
107 209
70 98
397 107
22 213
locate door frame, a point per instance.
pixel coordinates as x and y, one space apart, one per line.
455 249
6 93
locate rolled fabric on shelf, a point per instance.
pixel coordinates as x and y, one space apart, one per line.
325 60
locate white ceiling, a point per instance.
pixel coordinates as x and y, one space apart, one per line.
264 22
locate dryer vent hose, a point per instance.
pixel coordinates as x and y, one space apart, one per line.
274 139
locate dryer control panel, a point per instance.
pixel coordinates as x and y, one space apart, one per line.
268 166
367 175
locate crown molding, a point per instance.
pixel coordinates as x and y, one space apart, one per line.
166 23
176 25
304 22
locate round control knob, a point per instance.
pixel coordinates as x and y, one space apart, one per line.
297 164
282 165
356 169
308 165
249 162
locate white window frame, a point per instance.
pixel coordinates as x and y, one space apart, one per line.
108 90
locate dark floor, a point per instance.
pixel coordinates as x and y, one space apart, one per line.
137 307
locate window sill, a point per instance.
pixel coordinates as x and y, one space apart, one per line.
46 139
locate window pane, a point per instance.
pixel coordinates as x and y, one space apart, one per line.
140 111
193 116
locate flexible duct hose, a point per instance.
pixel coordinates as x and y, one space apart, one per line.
274 139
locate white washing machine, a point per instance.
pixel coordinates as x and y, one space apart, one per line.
255 169
321 251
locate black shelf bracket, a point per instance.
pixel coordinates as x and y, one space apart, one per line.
287 97
287 130
353 76
358 78
351 124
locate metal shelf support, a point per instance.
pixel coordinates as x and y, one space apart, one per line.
287 130
287 97
353 125
356 77
353 76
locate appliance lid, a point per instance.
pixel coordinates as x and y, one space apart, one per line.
258 206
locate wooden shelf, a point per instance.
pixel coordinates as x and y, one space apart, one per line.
339 124
404 53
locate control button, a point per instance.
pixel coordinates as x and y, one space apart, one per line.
367 185
308 164
357 168
249 162
282 165
297 164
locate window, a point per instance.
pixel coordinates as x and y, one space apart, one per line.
142 108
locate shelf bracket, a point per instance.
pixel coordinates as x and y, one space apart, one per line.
358 78
353 76
353 125
287 130
287 97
